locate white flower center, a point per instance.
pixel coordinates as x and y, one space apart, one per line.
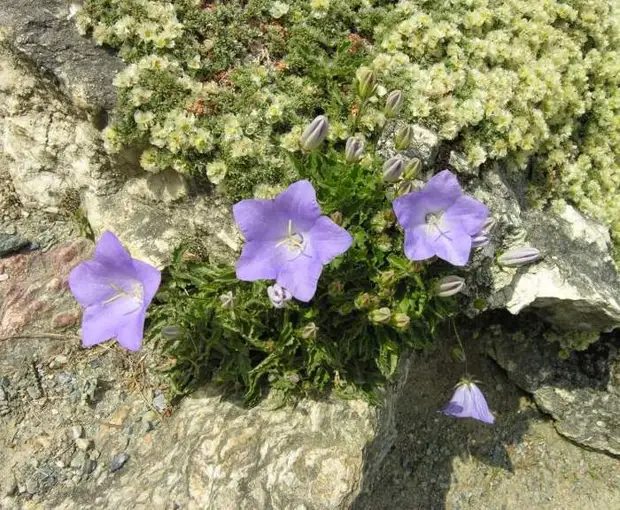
294 242
135 294
433 221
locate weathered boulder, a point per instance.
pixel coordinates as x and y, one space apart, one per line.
575 287
581 393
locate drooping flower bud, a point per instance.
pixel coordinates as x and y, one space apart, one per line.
314 134
412 168
394 103
519 256
404 187
393 169
309 331
401 320
449 286
278 295
403 137
380 316
354 150
480 239
366 82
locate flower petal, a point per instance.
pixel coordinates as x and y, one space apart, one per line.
480 408
260 220
418 245
452 245
259 260
298 203
328 239
101 322
89 283
444 189
300 276
110 252
150 277
469 213
411 209
131 333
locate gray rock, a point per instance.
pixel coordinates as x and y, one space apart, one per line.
46 36
78 460
580 393
575 287
83 443
77 431
32 485
118 461
424 145
34 392
89 466
160 403
11 243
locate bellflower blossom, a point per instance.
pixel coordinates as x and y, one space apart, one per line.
440 220
115 291
468 402
288 240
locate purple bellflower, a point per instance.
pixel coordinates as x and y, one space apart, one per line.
288 240
278 295
468 402
115 291
440 220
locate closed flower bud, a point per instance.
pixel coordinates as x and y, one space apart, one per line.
393 169
401 320
393 104
171 332
309 331
404 188
403 137
336 217
480 239
449 286
489 224
380 316
519 256
366 82
412 168
314 134
335 288
228 300
354 150
387 278
363 301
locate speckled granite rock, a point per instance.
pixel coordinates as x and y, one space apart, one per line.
214 455
581 393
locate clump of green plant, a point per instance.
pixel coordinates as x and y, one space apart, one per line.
528 82
371 304
571 341
215 88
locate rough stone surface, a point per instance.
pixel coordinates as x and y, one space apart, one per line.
44 34
520 462
581 392
575 287
10 243
424 144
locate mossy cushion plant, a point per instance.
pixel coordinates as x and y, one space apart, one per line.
526 82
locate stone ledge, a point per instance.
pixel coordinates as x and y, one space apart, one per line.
44 34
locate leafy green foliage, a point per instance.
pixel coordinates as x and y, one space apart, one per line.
337 341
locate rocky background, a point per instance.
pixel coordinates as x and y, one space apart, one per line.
91 429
